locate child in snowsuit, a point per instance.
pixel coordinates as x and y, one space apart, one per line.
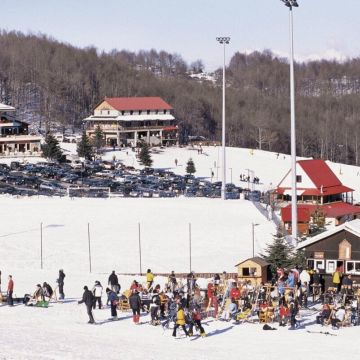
196 320
180 321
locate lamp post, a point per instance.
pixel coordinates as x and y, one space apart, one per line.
224 40
294 224
230 174
253 238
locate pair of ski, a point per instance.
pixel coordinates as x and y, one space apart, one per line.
321 332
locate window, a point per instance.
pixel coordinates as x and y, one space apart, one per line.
353 267
249 271
123 112
140 112
156 112
164 111
148 112
316 264
108 112
345 250
298 178
330 266
131 112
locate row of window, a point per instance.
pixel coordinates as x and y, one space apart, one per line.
351 267
148 112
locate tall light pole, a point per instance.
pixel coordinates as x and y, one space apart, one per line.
230 174
224 40
294 223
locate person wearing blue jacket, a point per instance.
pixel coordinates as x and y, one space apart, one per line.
113 300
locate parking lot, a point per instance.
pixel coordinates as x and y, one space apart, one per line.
108 179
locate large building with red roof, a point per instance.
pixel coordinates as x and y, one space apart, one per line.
318 188
128 120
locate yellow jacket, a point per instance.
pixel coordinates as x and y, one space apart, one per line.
180 317
336 277
149 277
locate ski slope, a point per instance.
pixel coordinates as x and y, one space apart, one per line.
220 237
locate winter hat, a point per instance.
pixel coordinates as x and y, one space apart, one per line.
85 288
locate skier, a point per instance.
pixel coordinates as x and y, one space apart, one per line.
10 290
196 320
113 282
135 305
149 278
172 282
97 291
191 280
113 300
88 299
180 321
154 309
60 282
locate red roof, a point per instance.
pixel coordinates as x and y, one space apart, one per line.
138 103
303 214
334 210
319 173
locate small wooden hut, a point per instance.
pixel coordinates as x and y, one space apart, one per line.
255 269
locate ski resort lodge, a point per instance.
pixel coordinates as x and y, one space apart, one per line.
318 190
338 248
125 121
14 138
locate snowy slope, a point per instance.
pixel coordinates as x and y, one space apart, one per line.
221 237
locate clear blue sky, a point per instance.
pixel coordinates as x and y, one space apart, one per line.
328 28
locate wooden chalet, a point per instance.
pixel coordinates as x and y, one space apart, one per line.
126 121
14 137
318 188
338 248
255 269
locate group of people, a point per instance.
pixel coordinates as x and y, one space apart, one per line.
247 178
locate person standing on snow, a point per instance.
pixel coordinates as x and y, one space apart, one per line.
135 305
113 282
10 290
180 321
97 291
113 300
149 278
60 282
88 300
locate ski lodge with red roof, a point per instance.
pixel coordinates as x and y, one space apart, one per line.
318 190
128 120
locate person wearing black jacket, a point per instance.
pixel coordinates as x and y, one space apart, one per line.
113 282
60 282
135 305
88 299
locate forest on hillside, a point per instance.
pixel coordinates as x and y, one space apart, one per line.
55 84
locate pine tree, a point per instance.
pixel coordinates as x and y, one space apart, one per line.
98 139
51 149
279 253
190 167
84 148
144 156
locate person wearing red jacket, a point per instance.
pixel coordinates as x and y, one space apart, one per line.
235 293
196 320
10 290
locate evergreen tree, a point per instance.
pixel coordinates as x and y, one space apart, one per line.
84 148
279 253
51 149
98 139
190 167
144 156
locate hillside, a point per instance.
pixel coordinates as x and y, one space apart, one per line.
55 85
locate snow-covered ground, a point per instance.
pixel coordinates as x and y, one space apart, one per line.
220 237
